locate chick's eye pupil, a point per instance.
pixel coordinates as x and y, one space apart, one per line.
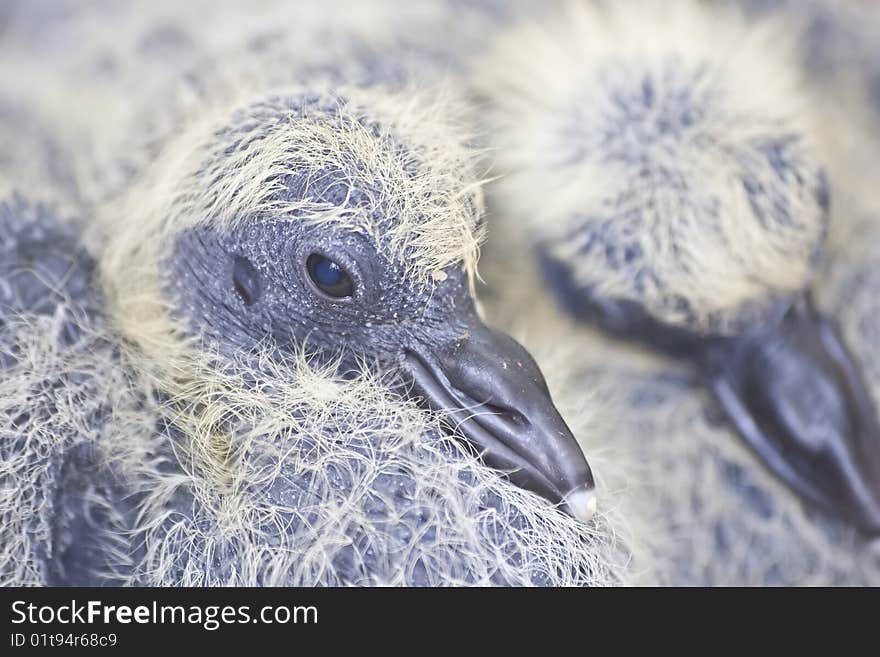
327 272
329 277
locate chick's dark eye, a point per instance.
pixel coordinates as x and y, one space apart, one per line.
329 277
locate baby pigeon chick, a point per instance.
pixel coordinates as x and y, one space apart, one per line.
665 172
306 235
278 281
304 221
281 272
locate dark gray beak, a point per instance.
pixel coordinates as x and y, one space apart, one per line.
798 399
492 391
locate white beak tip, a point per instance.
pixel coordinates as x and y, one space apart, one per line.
582 504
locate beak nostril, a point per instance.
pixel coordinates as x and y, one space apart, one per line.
510 414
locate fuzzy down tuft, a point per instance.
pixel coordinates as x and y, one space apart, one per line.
661 155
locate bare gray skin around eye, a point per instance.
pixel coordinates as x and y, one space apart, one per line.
260 276
360 500
239 288
78 520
